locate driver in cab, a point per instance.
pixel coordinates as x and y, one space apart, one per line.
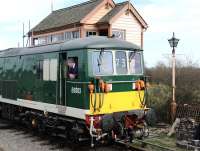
72 72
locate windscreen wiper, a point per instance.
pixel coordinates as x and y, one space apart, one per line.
99 60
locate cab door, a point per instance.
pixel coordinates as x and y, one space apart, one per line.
61 82
75 81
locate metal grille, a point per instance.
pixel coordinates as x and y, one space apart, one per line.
1 87
9 89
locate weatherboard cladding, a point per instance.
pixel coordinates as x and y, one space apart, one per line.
95 42
67 16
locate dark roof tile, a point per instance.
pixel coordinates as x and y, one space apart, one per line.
66 16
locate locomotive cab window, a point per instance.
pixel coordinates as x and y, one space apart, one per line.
121 62
72 68
135 63
102 63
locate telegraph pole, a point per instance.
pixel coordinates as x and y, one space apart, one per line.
23 35
51 5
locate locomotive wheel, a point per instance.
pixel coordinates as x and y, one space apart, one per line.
70 133
41 127
7 111
72 138
0 110
109 139
119 130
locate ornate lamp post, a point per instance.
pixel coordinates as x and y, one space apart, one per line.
173 43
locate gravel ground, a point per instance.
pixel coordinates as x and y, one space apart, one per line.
12 139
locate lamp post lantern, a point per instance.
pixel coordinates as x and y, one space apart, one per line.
173 43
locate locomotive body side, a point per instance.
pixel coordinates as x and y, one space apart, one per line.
99 100
37 80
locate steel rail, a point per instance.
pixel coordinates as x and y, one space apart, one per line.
129 146
156 145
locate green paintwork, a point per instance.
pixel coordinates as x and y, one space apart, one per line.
19 76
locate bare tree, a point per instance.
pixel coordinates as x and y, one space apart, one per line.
187 84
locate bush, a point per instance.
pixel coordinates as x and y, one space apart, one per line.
158 99
151 117
187 86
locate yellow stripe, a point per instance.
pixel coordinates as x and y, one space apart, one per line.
116 102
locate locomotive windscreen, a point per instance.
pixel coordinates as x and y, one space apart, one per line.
117 62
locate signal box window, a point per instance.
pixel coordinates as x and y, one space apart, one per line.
91 33
72 35
119 33
72 68
57 38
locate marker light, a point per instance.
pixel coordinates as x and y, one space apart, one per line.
91 87
108 87
102 85
133 86
139 85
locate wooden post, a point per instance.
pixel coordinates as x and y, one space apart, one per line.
109 30
81 29
173 103
142 38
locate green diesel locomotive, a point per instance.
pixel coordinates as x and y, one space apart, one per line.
86 88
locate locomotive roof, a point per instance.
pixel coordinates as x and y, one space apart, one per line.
98 42
94 42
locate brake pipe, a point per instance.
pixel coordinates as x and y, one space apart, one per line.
92 130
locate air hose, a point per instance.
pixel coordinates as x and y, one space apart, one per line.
91 100
101 96
142 100
92 89
140 86
93 103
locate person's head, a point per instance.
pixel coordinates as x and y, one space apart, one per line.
70 62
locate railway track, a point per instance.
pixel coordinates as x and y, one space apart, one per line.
129 146
58 143
53 142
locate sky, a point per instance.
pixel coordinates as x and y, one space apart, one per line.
163 17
